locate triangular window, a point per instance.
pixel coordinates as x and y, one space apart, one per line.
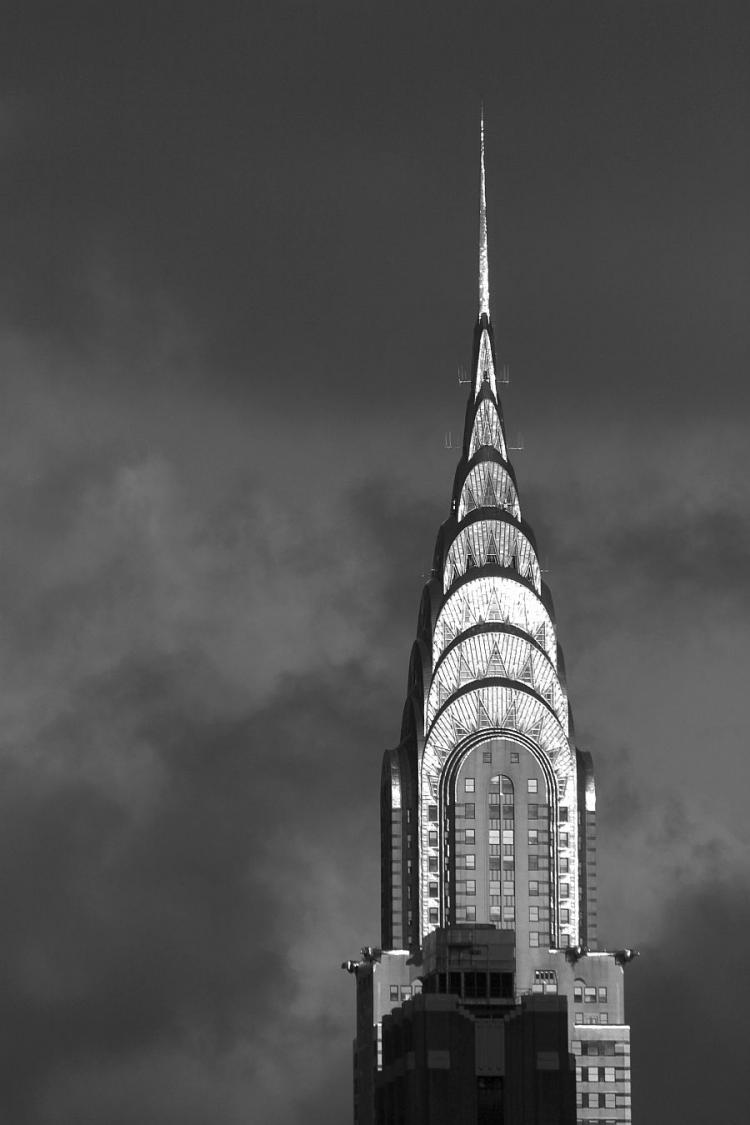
525 674
495 666
448 633
470 560
493 612
540 636
464 671
483 719
489 499
493 555
470 501
467 615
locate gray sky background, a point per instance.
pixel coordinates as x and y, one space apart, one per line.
237 275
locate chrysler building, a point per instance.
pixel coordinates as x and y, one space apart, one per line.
488 999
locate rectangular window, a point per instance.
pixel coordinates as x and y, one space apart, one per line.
533 837
589 995
494 799
532 785
563 839
469 785
494 836
565 916
578 993
565 890
533 812
433 890
533 863
533 887
563 814
494 863
406 992
494 888
471 861
432 812
609 1074
471 913
486 755
602 994
432 839
533 913
609 1101
507 836
533 939
564 864
514 757
592 1073
579 1017
469 811
470 836
471 886
433 863
603 1018
494 913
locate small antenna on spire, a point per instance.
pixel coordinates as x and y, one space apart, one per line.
484 262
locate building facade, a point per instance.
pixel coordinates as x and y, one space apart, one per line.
488 835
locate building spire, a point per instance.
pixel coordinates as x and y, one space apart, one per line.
484 263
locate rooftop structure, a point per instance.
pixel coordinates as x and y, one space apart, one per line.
488 825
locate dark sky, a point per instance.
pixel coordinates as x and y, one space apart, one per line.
237 276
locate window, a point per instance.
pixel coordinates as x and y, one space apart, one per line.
565 890
565 916
486 755
532 785
469 811
533 812
563 839
494 863
514 757
469 785
469 836
471 913
432 812
578 992
494 887
609 1073
494 799
533 913
471 886
563 814
495 913
603 1018
433 890
405 991
433 863
589 995
471 861
579 1017
564 864
533 939
533 837
602 993
432 839
394 992
533 887
533 863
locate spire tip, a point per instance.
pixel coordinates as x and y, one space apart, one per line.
484 264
